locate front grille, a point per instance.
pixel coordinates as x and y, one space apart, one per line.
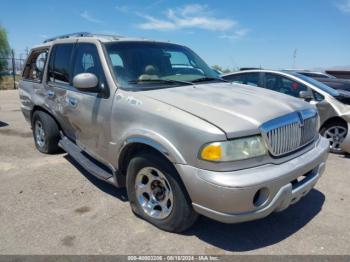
291 132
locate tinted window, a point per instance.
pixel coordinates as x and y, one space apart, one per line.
239 79
318 96
86 60
251 79
59 70
283 85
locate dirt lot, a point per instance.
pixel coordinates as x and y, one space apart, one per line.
49 205
7 82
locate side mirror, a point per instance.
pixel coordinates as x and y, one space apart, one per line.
306 95
85 81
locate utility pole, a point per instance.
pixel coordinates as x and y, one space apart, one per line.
13 68
295 53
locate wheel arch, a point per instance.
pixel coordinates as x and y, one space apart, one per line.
335 119
40 108
134 145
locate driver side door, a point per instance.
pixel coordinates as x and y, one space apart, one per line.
90 108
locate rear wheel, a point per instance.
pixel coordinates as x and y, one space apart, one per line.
157 194
335 132
46 133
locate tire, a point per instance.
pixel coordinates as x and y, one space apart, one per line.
330 131
178 215
46 142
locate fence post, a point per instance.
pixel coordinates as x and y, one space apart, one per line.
13 68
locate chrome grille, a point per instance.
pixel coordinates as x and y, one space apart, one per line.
288 133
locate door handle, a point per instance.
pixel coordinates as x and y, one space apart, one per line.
50 94
72 101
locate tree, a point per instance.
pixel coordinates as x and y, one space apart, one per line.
220 69
4 49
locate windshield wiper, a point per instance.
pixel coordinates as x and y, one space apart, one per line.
203 79
169 81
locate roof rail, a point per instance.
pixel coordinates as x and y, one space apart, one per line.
81 34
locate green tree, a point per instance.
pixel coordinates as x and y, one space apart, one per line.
219 68
4 50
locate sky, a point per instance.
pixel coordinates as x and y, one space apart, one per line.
236 33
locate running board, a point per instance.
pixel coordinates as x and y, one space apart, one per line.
99 171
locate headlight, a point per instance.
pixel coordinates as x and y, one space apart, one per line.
232 150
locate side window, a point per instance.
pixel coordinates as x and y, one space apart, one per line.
86 60
318 96
252 79
59 66
283 85
34 68
239 79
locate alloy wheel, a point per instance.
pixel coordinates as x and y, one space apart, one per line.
39 134
335 136
154 193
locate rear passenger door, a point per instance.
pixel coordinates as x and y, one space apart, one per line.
58 84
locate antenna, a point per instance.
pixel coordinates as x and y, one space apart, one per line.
295 53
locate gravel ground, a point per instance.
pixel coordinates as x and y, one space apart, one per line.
50 205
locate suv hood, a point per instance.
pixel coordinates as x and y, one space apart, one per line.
238 110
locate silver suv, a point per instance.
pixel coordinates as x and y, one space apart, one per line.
153 117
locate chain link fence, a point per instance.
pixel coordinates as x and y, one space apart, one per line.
12 71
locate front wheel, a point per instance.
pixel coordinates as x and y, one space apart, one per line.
335 133
157 194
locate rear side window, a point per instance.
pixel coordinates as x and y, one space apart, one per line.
283 85
60 64
34 68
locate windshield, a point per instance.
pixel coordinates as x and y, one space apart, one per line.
318 84
138 65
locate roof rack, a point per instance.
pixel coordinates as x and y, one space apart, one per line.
82 34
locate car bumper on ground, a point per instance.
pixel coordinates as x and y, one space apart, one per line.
254 193
345 146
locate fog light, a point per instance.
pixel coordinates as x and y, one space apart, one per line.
261 197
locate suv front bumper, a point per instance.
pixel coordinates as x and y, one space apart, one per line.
254 193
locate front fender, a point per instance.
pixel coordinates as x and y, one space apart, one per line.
153 140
